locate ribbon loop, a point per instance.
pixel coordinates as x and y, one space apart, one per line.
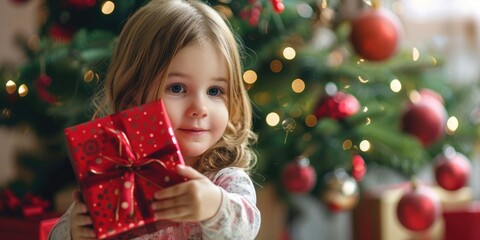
126 165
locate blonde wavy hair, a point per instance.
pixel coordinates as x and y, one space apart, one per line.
143 53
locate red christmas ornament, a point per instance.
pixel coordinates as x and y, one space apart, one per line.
358 167
425 119
298 176
60 33
375 34
418 208
278 6
429 93
252 14
339 106
452 170
41 84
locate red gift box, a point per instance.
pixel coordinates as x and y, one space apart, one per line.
27 228
120 161
462 221
375 216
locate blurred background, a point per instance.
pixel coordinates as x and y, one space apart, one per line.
365 110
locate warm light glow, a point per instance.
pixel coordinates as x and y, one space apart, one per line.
311 120
6 113
23 90
368 121
395 85
415 54
364 145
250 76
272 119
11 87
108 7
452 125
335 58
304 10
347 144
262 98
362 80
289 53
88 76
276 66
331 88
414 96
434 61
298 85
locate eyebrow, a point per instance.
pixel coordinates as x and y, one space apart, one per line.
179 74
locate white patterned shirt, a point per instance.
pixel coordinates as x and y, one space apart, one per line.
237 218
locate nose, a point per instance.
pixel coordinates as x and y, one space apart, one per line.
198 108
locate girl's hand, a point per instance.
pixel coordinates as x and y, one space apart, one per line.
80 221
194 200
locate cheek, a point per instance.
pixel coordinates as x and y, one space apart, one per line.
172 115
221 119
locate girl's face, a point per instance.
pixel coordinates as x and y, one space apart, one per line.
195 96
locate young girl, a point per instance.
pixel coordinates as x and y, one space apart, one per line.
184 52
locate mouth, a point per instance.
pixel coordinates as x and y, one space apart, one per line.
193 131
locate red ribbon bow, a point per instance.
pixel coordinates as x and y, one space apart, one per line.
126 166
29 205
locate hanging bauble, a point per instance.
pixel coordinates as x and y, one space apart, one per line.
41 84
299 176
11 87
452 169
278 6
341 191
339 106
418 208
429 93
375 34
358 167
252 13
61 33
425 119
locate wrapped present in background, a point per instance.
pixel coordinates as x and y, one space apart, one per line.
26 217
120 161
462 221
375 217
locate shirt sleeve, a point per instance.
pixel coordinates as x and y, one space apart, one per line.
238 216
61 229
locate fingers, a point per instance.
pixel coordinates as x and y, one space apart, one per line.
77 195
175 214
189 172
79 208
81 222
170 203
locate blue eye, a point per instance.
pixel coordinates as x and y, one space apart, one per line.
176 88
215 91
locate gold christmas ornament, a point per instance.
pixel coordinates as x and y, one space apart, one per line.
23 90
11 87
341 191
88 76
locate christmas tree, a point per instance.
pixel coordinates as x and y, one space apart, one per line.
334 90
